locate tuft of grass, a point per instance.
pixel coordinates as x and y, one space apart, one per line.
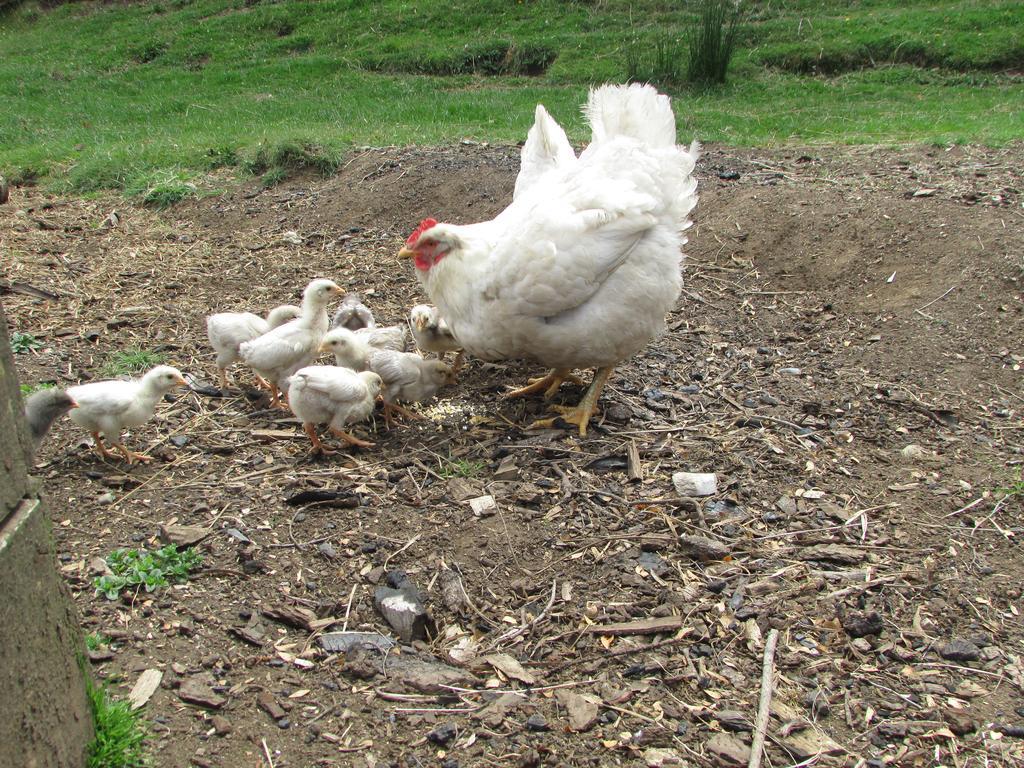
120 740
449 468
28 389
712 41
279 160
663 66
95 640
131 361
162 189
24 342
150 570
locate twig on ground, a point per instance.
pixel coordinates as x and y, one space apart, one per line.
763 704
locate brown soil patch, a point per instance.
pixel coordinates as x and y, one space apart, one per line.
830 319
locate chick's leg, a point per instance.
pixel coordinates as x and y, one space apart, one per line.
318 447
276 399
351 439
131 456
549 384
392 408
460 359
101 449
223 377
580 414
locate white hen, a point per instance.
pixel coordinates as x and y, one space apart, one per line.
107 407
279 353
228 330
432 334
329 394
407 378
579 271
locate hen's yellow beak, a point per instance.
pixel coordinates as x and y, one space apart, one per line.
406 253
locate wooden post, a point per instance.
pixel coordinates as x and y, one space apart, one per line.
44 711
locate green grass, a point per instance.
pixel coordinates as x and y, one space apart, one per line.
149 570
449 468
131 361
28 389
120 733
95 640
150 97
24 342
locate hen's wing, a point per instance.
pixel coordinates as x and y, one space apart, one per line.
567 244
546 148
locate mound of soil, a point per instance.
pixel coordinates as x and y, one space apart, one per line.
845 358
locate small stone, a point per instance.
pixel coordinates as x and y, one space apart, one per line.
959 721
817 702
536 722
179 441
221 725
695 483
862 624
483 506
703 548
442 734
105 498
958 649
582 710
790 371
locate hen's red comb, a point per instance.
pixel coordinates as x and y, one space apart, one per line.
423 227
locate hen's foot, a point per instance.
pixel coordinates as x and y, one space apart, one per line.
351 439
318 447
580 414
549 384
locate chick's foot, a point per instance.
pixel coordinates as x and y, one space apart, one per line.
351 439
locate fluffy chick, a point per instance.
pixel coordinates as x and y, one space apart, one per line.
228 330
407 377
43 408
107 407
432 333
352 349
353 314
279 353
332 395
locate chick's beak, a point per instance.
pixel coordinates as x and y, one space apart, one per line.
420 323
406 253
181 382
73 404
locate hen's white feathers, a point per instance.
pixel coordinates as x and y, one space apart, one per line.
580 270
546 148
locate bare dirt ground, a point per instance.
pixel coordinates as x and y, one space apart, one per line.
845 357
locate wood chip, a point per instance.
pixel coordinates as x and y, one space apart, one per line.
183 535
642 627
266 701
510 667
703 548
293 615
145 687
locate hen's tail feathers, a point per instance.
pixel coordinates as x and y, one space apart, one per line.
547 147
637 111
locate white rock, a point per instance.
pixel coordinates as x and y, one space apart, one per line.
695 483
483 506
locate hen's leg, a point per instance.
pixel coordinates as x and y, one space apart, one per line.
318 447
579 415
101 449
549 384
350 439
261 383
